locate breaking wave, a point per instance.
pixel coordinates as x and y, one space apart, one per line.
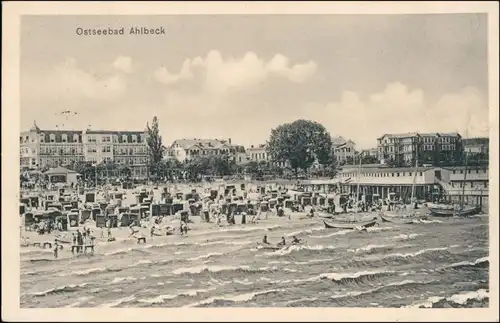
215 269
410 236
459 299
344 278
87 272
481 262
62 289
118 302
405 284
209 255
237 298
295 248
162 298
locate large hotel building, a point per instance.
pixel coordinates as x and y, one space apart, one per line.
432 148
51 148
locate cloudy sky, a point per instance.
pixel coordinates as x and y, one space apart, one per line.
240 76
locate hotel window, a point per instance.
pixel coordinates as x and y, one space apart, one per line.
421 174
52 137
64 137
75 138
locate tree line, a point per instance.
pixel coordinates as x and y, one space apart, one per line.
304 148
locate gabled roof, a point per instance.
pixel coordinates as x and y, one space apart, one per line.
201 143
59 170
337 141
399 135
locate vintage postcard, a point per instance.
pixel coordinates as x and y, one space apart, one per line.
250 161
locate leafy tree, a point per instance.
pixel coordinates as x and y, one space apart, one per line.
196 167
252 168
124 171
220 165
86 169
155 145
369 159
300 143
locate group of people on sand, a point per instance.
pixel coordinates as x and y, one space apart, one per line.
82 239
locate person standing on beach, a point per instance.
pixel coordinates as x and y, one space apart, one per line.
73 247
56 249
79 240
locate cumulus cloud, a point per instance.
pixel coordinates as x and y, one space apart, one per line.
123 63
221 74
399 109
162 75
67 81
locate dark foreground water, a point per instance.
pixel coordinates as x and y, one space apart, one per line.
441 263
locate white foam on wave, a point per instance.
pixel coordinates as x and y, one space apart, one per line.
377 229
243 282
279 262
305 299
294 248
428 221
466 263
124 250
88 271
162 298
371 247
307 231
59 289
313 261
340 276
118 302
246 229
214 269
217 282
460 298
373 290
79 301
212 254
337 233
410 236
118 280
237 298
417 253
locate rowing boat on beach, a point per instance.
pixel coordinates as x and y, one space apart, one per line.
465 211
349 224
397 219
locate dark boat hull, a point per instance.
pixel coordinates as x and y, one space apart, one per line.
396 220
448 213
350 225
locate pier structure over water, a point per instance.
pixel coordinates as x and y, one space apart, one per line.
449 183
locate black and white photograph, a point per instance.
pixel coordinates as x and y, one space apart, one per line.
335 160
